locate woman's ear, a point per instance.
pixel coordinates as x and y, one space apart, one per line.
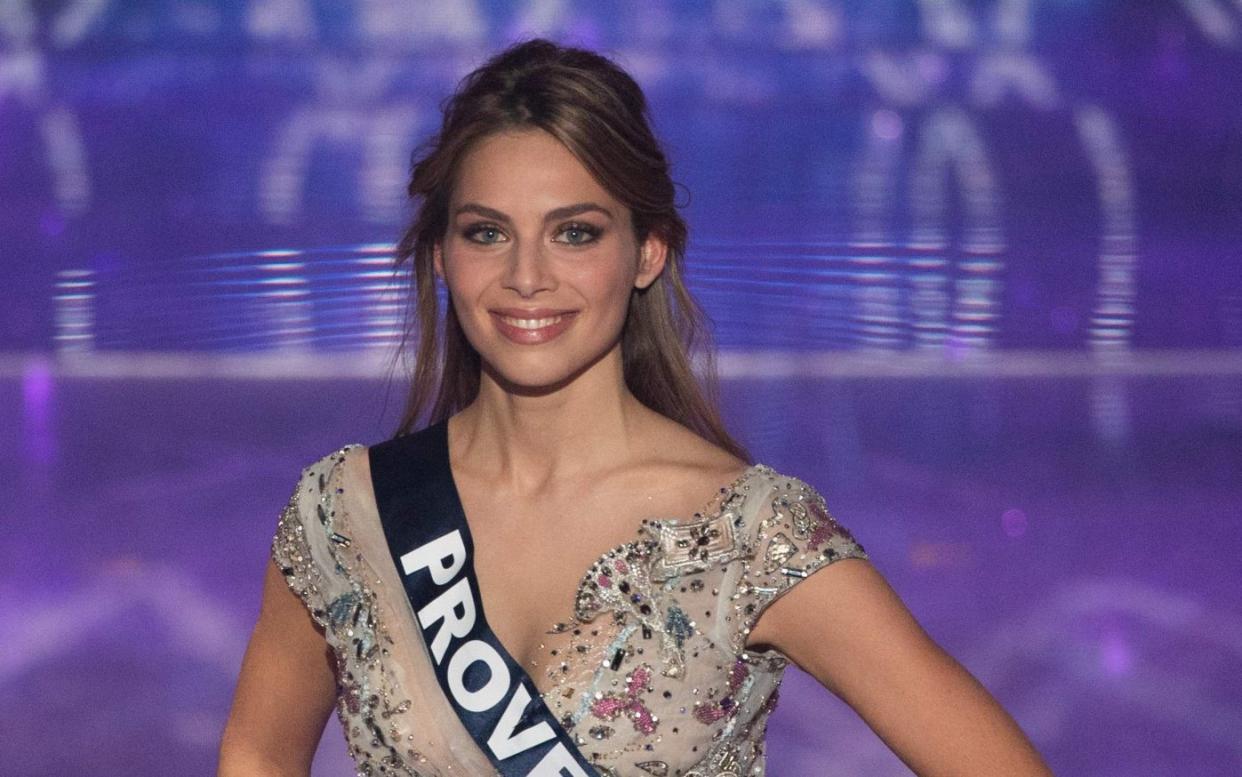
437 260
651 257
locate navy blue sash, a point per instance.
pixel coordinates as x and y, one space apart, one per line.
431 546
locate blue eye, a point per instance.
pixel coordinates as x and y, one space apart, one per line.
585 233
476 229
590 231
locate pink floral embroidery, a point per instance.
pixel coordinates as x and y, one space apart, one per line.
611 705
825 526
711 712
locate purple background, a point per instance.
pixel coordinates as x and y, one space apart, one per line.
973 269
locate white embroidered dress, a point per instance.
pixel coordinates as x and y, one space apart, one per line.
649 675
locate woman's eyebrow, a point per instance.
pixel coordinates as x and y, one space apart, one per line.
552 215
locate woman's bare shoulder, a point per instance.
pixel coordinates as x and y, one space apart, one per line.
681 450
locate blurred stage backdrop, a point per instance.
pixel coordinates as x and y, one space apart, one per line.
974 269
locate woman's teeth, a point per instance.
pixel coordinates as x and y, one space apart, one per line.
530 323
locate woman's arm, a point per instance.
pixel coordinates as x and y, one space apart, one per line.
285 691
845 626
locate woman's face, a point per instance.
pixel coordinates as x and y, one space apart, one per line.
539 259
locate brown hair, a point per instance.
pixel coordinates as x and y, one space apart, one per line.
599 113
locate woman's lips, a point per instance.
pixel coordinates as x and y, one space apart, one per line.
532 331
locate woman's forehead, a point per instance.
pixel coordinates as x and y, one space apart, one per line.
530 171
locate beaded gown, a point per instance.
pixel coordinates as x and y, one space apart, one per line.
650 674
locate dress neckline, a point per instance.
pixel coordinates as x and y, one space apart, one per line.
706 512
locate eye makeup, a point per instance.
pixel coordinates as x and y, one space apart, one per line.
592 232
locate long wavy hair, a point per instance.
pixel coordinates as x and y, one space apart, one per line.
599 113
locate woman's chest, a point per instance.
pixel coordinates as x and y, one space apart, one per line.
542 567
639 660
646 678
529 582
648 674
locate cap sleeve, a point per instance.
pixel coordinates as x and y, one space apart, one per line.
793 535
308 535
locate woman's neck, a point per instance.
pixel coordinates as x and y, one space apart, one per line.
529 440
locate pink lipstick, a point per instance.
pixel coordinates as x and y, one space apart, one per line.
531 327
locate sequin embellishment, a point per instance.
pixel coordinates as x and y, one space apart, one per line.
693 547
780 549
368 702
813 522
678 625
671 658
710 712
610 705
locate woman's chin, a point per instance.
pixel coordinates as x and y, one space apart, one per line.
536 374
529 379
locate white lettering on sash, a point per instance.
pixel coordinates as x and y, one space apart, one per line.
503 742
450 546
492 691
444 607
454 609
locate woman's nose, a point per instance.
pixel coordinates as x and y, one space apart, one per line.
527 270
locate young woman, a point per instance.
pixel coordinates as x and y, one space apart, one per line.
629 586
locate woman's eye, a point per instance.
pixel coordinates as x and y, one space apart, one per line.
577 234
482 229
580 234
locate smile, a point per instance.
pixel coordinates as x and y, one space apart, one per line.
531 323
532 331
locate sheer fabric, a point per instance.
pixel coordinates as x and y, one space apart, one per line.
649 675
